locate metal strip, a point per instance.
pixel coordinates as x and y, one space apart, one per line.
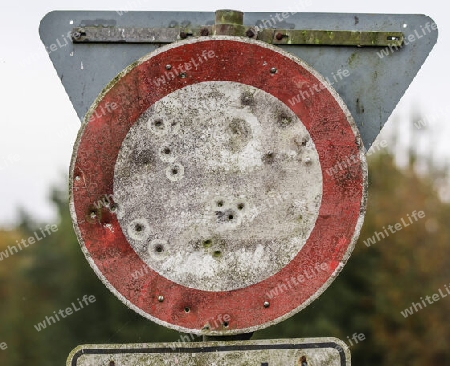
101 34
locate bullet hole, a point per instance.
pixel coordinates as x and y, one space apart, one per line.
268 158
225 324
284 120
114 207
219 203
230 217
207 243
217 253
138 228
159 248
112 363
167 151
187 309
239 127
159 124
175 172
240 206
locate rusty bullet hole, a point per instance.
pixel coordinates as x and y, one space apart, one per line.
138 228
204 32
250 33
207 243
219 203
217 253
187 309
159 248
240 206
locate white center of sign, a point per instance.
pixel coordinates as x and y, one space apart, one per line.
218 186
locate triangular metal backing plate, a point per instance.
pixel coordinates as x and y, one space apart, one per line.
371 92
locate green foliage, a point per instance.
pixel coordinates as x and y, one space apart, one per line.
376 284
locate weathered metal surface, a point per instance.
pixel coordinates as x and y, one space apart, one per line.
283 352
371 92
223 217
227 219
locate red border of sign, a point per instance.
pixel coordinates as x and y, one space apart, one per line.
331 241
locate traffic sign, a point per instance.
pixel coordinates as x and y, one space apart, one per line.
232 205
285 352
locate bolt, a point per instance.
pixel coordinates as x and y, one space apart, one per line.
168 67
250 33
279 36
160 298
204 32
266 304
183 35
273 70
76 35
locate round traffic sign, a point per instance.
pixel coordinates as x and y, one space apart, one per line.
218 185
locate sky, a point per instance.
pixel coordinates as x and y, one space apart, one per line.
38 125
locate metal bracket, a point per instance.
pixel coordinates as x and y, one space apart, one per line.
230 22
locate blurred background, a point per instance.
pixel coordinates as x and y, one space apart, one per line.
38 129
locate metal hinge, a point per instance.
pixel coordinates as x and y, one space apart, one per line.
229 22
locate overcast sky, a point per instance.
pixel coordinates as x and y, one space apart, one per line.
35 153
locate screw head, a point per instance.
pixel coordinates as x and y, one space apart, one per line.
266 304
76 35
279 36
273 70
160 298
168 67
